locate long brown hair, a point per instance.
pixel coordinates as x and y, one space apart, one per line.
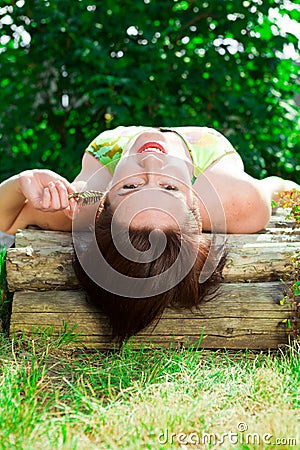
129 315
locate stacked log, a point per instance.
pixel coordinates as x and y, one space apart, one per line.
248 313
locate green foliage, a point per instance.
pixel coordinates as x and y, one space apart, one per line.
71 69
290 200
5 296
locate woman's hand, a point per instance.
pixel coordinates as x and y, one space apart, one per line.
47 191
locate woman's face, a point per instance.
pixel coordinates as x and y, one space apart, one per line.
152 181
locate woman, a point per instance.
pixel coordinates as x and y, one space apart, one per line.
163 187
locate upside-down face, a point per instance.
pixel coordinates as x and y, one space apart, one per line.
152 182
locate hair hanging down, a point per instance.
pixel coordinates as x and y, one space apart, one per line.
127 315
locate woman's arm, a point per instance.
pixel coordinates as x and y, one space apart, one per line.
12 200
40 197
274 185
233 201
30 196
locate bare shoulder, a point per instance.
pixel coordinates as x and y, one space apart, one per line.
227 194
93 174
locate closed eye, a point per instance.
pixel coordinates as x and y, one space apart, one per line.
130 186
169 187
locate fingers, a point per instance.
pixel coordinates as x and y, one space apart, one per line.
46 199
55 196
71 209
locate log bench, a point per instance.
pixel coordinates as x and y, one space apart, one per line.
248 313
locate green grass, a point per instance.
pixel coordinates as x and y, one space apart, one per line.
55 397
52 397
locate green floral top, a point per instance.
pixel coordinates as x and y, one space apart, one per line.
205 145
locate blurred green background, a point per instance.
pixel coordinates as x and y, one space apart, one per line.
71 69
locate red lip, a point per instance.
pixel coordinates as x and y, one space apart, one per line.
152 145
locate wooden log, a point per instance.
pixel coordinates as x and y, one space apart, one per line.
40 269
37 239
243 316
250 258
278 219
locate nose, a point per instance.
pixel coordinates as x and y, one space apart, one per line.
151 161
